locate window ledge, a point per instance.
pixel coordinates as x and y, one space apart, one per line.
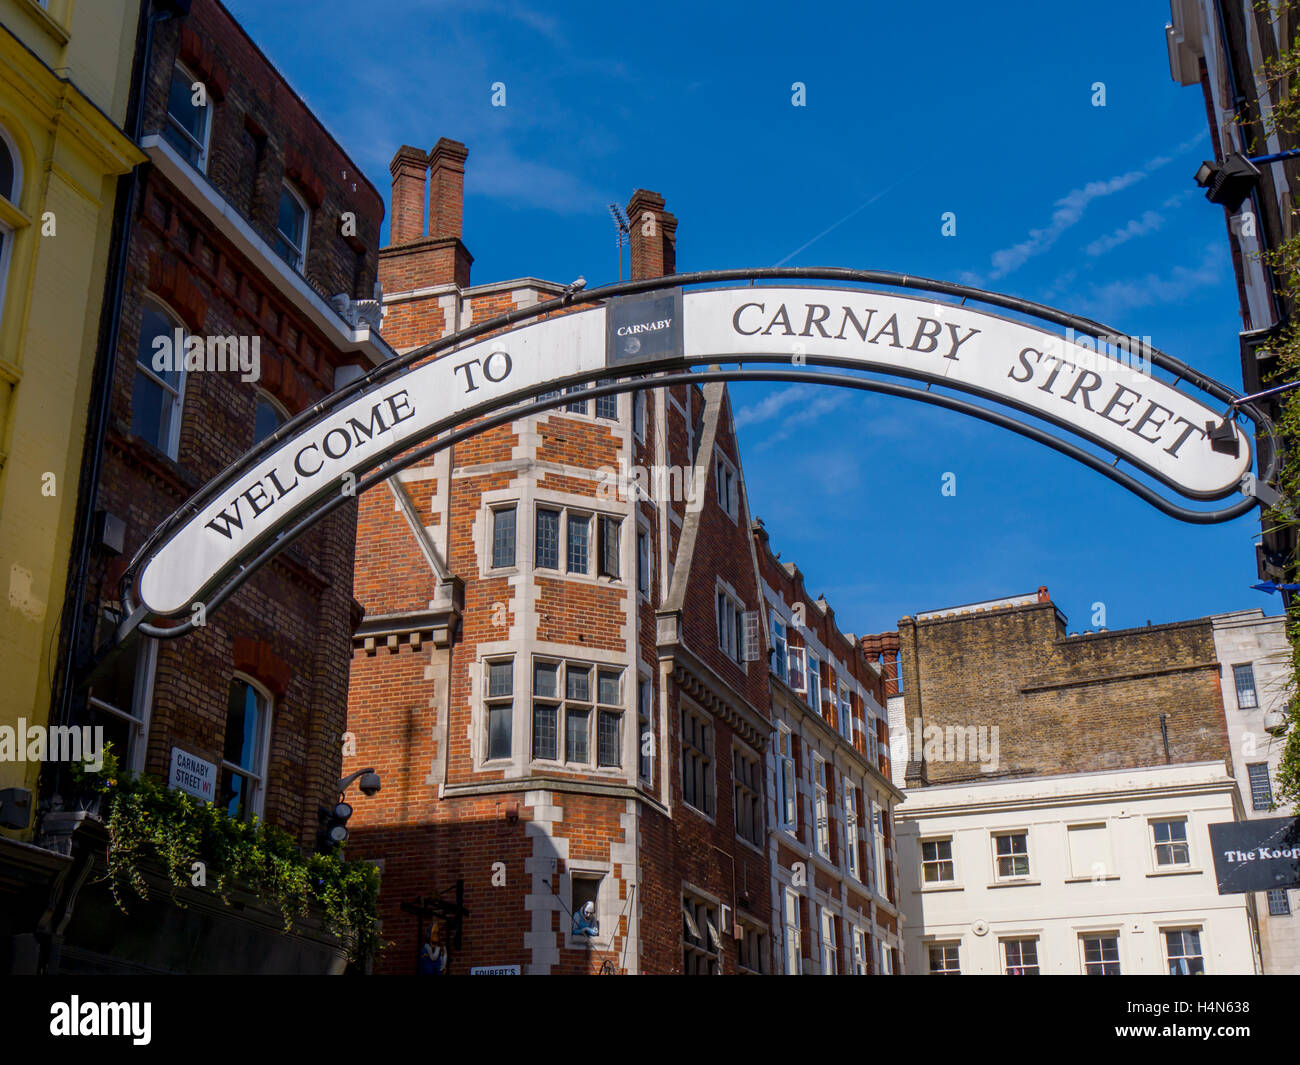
48 22
1016 883
1090 879
1181 871
928 888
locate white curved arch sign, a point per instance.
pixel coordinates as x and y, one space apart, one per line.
1108 401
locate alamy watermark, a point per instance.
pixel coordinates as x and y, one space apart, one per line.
54 743
947 743
213 354
678 484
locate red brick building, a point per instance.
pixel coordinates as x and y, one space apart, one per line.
834 878
252 239
563 672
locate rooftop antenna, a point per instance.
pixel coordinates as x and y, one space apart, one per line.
621 225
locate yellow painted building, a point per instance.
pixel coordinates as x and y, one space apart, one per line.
65 73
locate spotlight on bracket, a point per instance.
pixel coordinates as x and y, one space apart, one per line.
1223 437
1228 183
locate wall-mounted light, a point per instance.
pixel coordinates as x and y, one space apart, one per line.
1228 183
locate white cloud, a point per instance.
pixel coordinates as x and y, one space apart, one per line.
1138 227
1106 302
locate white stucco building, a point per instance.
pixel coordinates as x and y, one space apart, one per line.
1105 872
1257 682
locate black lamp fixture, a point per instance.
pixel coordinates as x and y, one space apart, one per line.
1230 182
335 828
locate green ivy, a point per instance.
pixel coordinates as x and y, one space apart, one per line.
147 820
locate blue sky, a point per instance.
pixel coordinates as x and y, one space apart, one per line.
912 111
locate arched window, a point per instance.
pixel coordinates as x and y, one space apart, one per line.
270 416
11 187
188 125
159 380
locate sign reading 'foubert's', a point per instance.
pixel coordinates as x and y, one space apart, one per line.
1109 401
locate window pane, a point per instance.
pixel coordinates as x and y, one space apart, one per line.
545 679
267 421
503 537
579 528
576 722
545 720
1261 790
1244 676
608 685
500 679
7 171
499 728
151 412
186 125
609 747
577 406
548 539
578 682
244 712
607 407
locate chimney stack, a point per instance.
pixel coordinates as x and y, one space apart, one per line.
408 168
447 188
413 258
652 233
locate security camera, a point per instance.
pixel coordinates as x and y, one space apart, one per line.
370 783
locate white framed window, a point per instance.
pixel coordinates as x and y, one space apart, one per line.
1279 902
697 761
701 941
830 945
159 390
725 476
643 562
878 814
851 830
1011 855
821 807
1183 951
577 713
188 126
1169 840
646 732
1020 956
793 934
937 866
504 522
1099 953
860 951
292 224
1243 677
873 739
945 958
815 683
780 664
798 678
499 707
576 406
731 625
747 796
11 188
845 715
270 415
242 788
787 797
121 700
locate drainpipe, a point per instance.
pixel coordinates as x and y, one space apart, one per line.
105 365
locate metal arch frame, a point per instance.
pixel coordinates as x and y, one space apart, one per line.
652 375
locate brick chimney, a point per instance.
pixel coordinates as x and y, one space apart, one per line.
414 259
652 235
885 648
447 188
408 168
